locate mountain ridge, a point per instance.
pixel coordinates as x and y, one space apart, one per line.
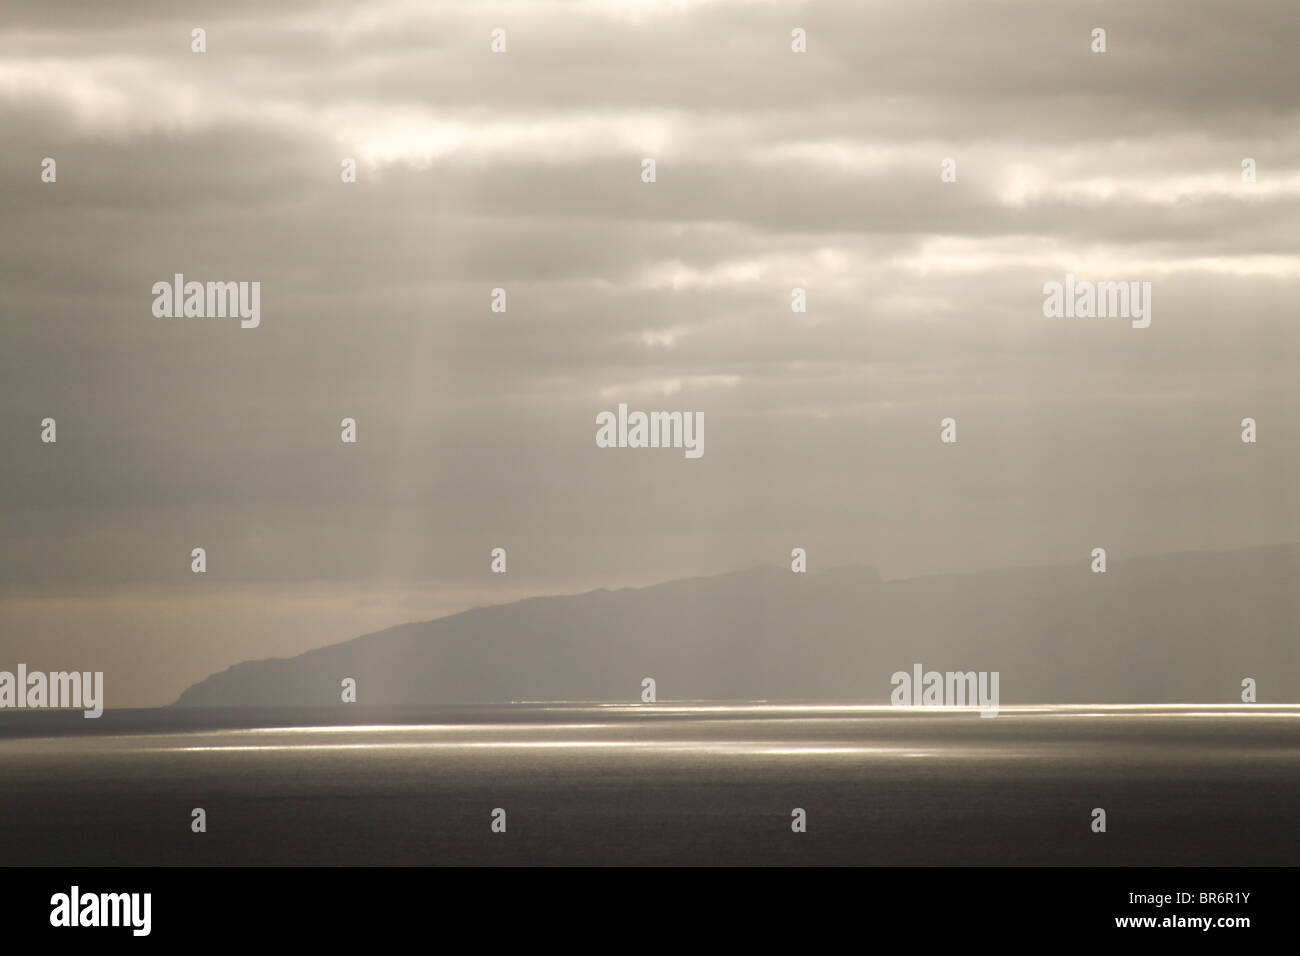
1160 628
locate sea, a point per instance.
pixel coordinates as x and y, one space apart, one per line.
669 783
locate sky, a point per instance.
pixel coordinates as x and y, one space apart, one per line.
522 170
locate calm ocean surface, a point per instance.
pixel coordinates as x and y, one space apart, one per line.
656 784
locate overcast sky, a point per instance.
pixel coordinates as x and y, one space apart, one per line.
522 171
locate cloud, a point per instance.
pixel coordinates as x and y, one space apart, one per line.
522 171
